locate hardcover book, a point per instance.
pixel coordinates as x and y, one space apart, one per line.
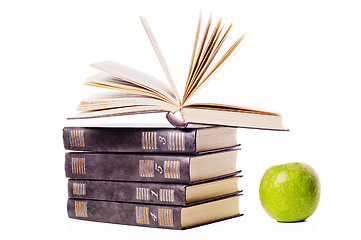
158 216
149 140
150 167
154 193
138 92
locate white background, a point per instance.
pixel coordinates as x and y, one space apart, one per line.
300 58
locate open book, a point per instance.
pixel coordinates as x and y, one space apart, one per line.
139 92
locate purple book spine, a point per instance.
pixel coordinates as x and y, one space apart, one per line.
127 167
140 192
145 140
158 216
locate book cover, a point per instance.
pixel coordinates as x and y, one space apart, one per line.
150 167
148 140
153 193
157 216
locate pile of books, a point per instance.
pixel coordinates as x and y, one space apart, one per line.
168 177
161 177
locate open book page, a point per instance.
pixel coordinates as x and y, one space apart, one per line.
227 115
136 77
203 57
120 111
202 80
225 107
208 57
115 99
196 59
105 80
160 58
193 56
141 93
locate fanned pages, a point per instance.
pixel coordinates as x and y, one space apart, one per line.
111 82
138 92
118 99
136 77
194 52
160 57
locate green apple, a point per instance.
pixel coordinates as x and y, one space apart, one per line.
290 192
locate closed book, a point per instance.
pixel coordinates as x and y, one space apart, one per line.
153 193
150 167
149 139
159 216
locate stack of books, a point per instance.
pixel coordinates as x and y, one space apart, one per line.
161 177
176 177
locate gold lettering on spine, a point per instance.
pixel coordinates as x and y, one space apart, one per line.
175 147
166 195
174 174
142 193
146 168
72 165
151 168
166 169
81 209
79 189
76 138
176 141
179 141
78 165
172 169
141 168
83 189
183 145
173 142
168 218
71 138
143 142
165 216
142 215
160 218
155 140
149 140
177 170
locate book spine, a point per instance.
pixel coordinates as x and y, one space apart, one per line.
148 215
155 193
150 140
127 167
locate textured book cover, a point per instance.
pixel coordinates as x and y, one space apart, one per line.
142 140
139 167
153 193
149 215
130 139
